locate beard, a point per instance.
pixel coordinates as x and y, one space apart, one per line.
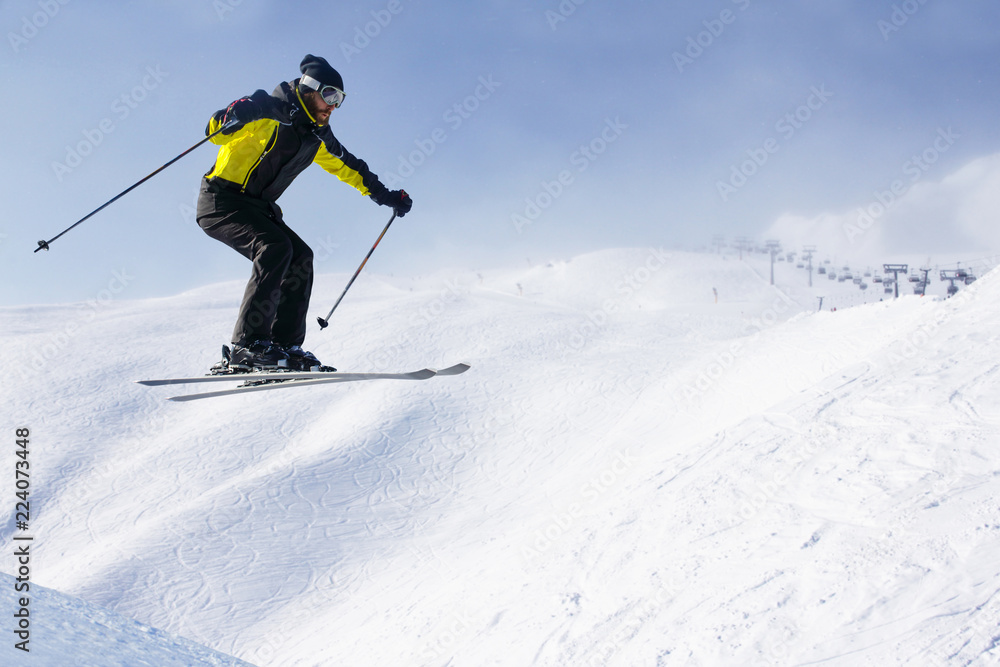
317 108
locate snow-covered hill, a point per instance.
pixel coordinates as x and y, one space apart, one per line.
66 631
631 474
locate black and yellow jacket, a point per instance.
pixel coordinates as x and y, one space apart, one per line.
263 157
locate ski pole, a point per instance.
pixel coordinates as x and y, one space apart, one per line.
44 245
323 321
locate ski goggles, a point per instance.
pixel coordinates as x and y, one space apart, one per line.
332 95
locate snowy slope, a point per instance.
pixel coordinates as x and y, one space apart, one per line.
630 474
68 631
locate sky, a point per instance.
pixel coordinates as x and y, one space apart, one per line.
525 132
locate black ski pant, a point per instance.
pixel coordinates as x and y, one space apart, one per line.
276 299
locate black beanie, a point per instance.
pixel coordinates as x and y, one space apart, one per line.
320 70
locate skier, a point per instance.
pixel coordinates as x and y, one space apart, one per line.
273 138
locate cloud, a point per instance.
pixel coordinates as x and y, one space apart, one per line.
976 187
956 214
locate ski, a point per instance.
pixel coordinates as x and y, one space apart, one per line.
283 380
289 375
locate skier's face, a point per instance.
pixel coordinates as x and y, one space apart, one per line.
318 108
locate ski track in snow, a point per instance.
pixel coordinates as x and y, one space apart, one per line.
630 474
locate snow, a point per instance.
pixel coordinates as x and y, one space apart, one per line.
68 631
630 474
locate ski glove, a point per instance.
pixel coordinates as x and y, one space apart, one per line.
242 111
397 199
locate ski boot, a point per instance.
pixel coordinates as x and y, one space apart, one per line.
261 355
221 367
301 360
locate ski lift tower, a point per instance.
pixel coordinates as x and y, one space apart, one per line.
773 247
807 252
719 242
742 243
895 270
921 286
